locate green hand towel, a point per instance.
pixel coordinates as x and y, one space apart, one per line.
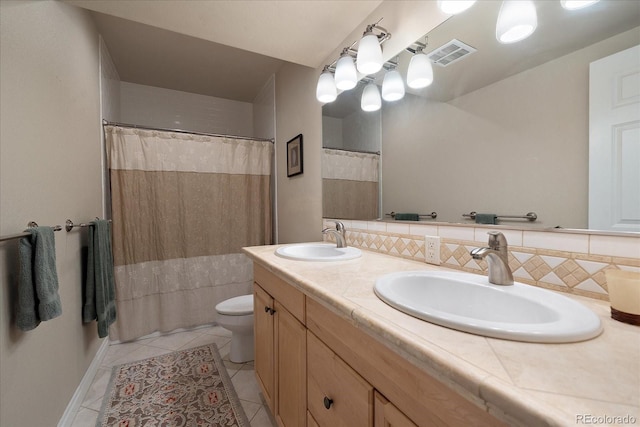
38 298
100 292
486 218
407 217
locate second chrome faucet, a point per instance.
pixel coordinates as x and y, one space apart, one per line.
497 255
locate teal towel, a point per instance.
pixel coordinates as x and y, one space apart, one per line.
38 298
407 217
486 218
100 290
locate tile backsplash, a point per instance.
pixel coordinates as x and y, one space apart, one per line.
572 262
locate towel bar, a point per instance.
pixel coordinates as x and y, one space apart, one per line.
26 234
69 225
531 216
433 215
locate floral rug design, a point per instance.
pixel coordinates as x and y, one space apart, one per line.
184 388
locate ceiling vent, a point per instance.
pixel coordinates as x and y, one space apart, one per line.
450 52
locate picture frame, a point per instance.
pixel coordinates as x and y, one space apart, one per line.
294 156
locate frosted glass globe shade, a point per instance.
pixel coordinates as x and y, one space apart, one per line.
326 90
453 7
371 98
517 20
420 73
369 58
577 4
346 74
392 86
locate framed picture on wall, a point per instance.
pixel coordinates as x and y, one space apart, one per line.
294 156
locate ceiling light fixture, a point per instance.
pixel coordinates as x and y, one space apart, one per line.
326 90
346 74
392 86
577 4
371 98
420 72
453 7
517 20
369 59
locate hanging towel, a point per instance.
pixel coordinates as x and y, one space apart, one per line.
482 218
38 298
407 217
100 291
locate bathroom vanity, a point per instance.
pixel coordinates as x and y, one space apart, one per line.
330 353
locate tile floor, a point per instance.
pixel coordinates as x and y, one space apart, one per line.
242 375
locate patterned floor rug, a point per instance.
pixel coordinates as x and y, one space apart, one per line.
184 388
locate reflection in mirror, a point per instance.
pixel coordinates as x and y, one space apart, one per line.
351 142
505 130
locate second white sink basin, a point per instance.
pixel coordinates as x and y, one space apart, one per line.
318 252
468 302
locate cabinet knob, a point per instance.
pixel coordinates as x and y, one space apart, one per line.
327 402
266 309
269 310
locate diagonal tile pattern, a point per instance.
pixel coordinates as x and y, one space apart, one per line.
577 273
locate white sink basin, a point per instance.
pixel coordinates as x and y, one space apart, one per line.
318 252
469 303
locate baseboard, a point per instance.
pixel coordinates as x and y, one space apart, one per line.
83 387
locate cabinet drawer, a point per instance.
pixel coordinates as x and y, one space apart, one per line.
287 295
336 395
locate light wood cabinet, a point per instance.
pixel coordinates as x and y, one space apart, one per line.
337 395
280 348
291 369
264 348
387 415
317 369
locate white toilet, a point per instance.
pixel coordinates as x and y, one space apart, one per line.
236 315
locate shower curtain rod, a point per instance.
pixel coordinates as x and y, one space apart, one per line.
129 125
353 151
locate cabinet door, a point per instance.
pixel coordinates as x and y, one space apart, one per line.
337 395
263 310
291 369
387 415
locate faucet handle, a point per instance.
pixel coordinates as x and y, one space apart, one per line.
339 226
496 240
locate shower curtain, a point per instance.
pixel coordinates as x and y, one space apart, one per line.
183 206
349 184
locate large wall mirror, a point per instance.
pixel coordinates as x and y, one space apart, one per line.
505 130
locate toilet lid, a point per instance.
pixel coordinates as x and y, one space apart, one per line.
237 306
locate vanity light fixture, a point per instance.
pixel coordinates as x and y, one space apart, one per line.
420 72
346 74
517 20
453 7
326 90
371 98
369 58
577 4
392 86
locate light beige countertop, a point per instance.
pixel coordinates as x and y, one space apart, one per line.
527 384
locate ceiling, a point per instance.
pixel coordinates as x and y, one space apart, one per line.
221 48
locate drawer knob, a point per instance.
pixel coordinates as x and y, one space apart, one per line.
327 402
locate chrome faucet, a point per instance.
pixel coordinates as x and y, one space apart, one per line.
497 255
339 232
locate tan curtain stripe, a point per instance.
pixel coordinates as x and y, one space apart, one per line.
349 199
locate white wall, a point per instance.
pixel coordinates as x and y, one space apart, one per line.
299 200
332 132
516 146
172 109
49 171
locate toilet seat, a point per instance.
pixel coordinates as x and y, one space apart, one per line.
237 306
